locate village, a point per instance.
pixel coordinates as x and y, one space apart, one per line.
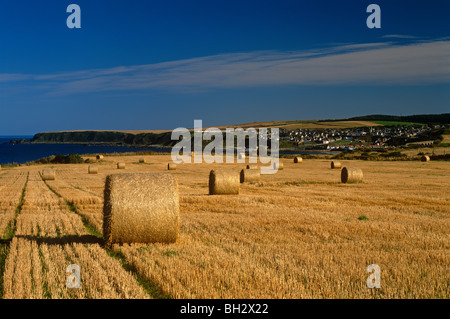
354 138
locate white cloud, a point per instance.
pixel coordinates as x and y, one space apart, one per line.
366 63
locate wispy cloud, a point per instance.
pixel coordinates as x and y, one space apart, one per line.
399 36
367 63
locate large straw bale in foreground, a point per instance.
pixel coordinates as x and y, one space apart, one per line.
298 159
93 169
425 158
121 165
141 208
48 174
351 175
335 164
223 182
250 175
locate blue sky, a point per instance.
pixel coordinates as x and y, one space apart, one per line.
162 64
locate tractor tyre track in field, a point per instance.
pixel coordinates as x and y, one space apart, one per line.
8 234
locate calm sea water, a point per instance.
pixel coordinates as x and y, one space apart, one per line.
22 153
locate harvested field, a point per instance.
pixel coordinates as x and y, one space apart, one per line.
37 269
296 234
11 186
48 237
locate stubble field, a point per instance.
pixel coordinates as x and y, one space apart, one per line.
297 234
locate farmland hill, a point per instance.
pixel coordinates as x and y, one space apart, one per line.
424 118
163 138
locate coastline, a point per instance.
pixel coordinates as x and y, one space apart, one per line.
13 154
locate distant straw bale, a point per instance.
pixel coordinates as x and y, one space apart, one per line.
48 174
250 166
278 165
142 160
171 166
425 158
298 159
241 156
223 182
351 175
250 175
335 164
93 169
141 208
99 157
121 165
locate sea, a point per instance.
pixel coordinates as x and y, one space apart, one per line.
23 153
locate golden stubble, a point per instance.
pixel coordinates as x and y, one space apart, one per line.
295 234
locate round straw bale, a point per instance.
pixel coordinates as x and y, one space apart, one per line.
278 166
425 158
298 159
0 167
99 157
48 174
250 175
121 165
335 164
142 160
252 166
93 169
141 208
225 182
351 175
171 166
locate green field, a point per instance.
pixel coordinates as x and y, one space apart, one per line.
395 123
342 142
